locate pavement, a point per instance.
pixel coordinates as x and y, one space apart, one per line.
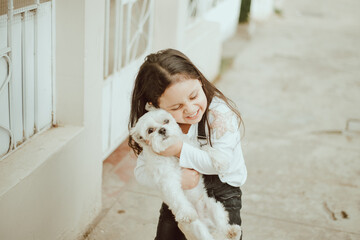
296 80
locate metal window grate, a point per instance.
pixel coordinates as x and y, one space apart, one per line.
128 39
197 8
26 71
127 30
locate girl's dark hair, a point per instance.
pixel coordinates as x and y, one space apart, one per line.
156 74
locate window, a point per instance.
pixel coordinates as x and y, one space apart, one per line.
26 71
197 8
128 35
127 32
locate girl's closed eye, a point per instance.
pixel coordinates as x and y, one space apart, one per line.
176 108
194 97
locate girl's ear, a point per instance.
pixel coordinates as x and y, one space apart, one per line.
149 107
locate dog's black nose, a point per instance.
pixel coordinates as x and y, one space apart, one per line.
162 131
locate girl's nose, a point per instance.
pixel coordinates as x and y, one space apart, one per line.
189 108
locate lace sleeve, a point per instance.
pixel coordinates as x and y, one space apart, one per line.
222 123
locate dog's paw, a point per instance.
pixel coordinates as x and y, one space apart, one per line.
186 216
233 232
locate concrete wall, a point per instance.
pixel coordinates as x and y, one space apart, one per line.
51 187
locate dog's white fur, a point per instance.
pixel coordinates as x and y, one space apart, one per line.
199 216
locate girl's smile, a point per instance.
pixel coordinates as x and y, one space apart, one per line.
194 116
185 101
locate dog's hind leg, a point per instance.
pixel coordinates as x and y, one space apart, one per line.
217 213
233 232
220 218
195 230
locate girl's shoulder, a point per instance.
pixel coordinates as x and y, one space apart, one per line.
222 119
218 105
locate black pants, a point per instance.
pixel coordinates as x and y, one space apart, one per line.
228 195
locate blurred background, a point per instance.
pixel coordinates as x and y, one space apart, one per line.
67 70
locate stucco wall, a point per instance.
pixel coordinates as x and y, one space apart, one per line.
51 187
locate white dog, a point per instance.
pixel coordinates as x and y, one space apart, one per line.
199 216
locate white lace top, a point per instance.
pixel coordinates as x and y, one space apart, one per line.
225 137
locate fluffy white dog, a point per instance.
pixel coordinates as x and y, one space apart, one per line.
199 216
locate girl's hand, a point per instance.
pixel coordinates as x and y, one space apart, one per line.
189 178
173 150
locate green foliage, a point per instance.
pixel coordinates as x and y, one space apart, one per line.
244 11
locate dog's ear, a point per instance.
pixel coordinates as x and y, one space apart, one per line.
149 107
137 137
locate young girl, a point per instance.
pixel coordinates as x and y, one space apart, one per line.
169 80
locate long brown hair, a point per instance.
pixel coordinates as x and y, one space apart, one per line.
156 74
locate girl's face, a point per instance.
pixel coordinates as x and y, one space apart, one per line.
185 101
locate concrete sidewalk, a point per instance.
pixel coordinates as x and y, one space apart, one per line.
296 80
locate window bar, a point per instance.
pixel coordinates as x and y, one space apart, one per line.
128 31
106 38
25 9
192 8
121 26
23 56
134 38
4 53
139 30
36 75
117 35
9 38
53 58
147 16
11 137
110 113
151 25
2 87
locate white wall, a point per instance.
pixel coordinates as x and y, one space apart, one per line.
261 10
200 39
51 187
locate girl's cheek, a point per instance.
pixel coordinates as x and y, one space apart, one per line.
176 116
203 102
202 98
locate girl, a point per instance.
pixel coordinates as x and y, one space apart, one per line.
169 80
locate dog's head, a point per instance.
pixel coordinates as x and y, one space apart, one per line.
156 129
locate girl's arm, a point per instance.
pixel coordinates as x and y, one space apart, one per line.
225 137
189 177
200 160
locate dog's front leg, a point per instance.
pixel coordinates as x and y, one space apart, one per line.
181 207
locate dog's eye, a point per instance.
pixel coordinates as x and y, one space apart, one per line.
166 121
150 130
